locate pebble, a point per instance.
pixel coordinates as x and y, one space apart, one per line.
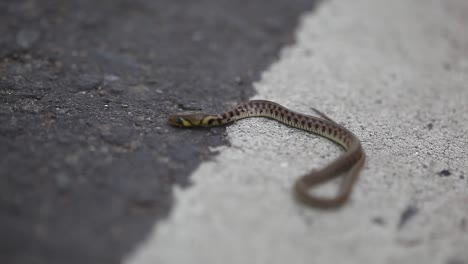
239 80
87 82
111 78
26 38
407 214
445 173
62 182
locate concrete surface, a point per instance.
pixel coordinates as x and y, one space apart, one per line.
393 72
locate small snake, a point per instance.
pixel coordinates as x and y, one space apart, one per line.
350 162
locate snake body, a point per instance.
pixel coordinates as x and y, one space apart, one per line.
349 163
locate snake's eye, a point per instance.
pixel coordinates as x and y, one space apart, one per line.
180 120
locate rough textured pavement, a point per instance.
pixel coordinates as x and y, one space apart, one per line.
87 161
393 72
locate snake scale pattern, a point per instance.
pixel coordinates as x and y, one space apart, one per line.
348 164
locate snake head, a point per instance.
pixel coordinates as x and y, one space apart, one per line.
186 119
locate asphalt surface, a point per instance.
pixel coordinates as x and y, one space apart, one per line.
393 72
88 163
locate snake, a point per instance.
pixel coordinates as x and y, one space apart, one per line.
348 164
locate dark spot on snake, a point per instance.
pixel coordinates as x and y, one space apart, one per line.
309 125
320 121
210 121
303 122
316 126
329 130
224 115
282 115
289 118
295 120
334 133
231 113
237 112
276 113
323 129
261 111
256 104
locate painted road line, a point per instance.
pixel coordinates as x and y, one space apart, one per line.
394 73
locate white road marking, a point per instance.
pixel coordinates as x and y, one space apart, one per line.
385 69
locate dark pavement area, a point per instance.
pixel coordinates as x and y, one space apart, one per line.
87 161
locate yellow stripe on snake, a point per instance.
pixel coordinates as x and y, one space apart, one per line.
349 164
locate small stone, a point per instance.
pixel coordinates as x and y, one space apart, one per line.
455 261
152 81
124 105
26 38
430 126
62 182
61 111
447 66
139 90
87 82
111 78
407 214
444 173
378 221
30 106
197 36
144 200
